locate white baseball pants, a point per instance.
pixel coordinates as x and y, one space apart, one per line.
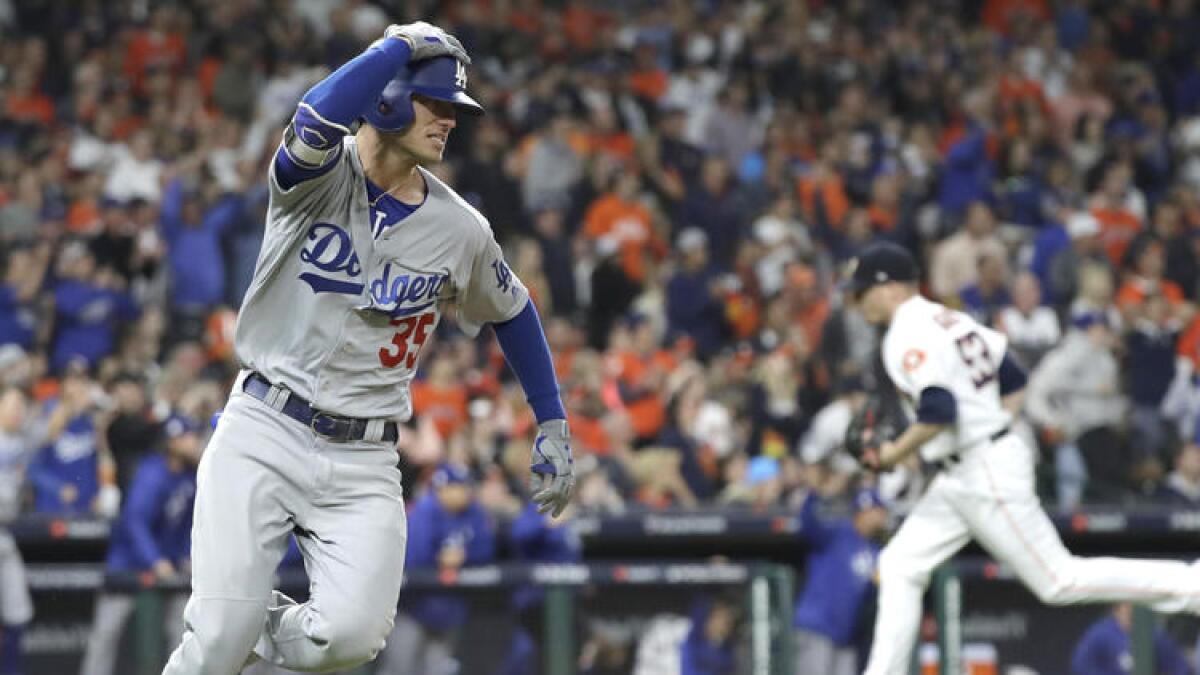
989 497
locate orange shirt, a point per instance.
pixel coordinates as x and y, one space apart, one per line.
830 192
651 83
147 50
32 108
648 413
629 223
1133 292
447 406
589 435
1118 227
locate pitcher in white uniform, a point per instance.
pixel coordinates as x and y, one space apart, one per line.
961 389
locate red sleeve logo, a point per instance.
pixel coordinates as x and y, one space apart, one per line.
912 360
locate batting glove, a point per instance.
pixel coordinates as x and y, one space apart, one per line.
552 468
427 41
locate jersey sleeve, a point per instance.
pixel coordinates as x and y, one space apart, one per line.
915 362
491 292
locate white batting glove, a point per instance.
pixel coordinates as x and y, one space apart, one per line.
427 41
551 467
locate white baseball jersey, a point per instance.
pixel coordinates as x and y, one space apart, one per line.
930 345
338 316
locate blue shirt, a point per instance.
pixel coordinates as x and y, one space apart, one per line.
1104 650
841 575
699 655
194 250
534 540
156 520
430 528
86 318
967 174
18 321
69 460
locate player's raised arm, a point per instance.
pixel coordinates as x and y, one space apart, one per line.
313 139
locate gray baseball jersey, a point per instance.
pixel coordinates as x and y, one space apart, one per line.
338 316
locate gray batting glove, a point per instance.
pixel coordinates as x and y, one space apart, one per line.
427 41
552 469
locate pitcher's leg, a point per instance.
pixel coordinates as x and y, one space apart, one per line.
929 536
354 552
1014 528
239 535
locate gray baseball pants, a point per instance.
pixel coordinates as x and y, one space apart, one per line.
263 475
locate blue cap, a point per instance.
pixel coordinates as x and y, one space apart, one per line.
178 425
761 470
450 474
879 263
868 498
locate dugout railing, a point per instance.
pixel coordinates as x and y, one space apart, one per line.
767 595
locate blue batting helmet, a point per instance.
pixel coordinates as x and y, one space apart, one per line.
443 78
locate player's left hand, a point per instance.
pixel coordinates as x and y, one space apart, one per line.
551 467
427 41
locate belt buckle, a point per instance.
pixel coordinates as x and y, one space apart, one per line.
326 426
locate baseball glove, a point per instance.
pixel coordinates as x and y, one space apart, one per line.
871 426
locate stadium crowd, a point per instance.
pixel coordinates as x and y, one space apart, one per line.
681 186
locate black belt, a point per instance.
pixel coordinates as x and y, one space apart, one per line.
954 458
333 427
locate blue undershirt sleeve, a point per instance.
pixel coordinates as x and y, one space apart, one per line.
937 406
1011 375
331 107
525 349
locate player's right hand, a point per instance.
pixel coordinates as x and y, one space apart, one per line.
552 468
427 41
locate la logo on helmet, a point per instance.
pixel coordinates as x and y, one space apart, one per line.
460 75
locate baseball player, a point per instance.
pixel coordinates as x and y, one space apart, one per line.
19 439
962 389
150 536
364 251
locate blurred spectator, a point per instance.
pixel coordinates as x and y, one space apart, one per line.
840 580
68 473
447 530
1150 362
153 535
193 226
132 432
822 448
136 173
553 167
709 646
1032 328
536 538
1074 396
1105 648
24 272
694 295
989 294
617 215
710 206
1182 485
955 261
612 292
88 308
18 441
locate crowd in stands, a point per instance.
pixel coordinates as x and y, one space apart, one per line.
680 184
